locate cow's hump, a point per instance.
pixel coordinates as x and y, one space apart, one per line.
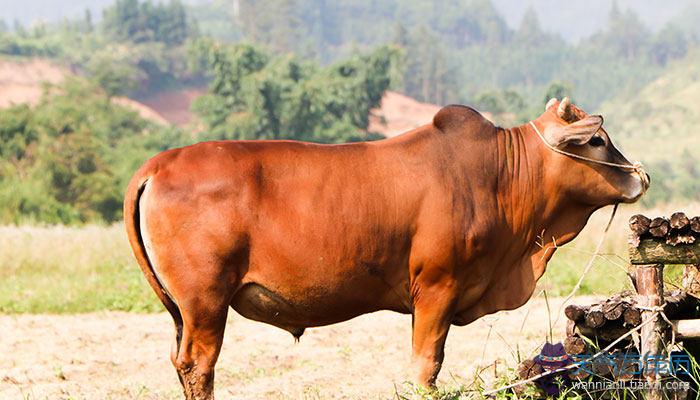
460 118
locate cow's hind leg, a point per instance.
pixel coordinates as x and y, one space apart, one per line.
175 348
202 335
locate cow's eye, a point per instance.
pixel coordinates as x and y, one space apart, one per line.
596 141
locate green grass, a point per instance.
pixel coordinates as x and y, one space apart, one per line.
59 269
69 269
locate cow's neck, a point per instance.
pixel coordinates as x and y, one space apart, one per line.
538 216
529 200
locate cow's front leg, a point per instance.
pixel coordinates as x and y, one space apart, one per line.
433 310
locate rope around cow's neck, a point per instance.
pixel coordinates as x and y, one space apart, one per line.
636 166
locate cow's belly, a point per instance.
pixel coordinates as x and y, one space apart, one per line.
257 302
300 303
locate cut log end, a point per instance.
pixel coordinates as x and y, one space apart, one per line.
574 345
695 224
639 224
594 317
575 313
659 227
632 316
679 221
529 368
614 308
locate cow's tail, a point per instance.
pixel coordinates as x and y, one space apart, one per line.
132 222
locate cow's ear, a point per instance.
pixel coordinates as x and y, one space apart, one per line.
550 103
577 133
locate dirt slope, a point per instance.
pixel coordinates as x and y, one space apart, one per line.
143 110
174 105
398 113
22 82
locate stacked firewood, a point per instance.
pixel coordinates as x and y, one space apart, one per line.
654 242
606 321
679 229
595 326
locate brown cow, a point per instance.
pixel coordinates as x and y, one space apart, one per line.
445 222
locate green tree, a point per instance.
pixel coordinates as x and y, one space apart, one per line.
670 43
89 26
115 71
68 159
256 96
130 20
626 34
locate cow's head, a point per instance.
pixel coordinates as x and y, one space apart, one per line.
569 129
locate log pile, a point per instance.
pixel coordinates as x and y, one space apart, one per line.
595 326
604 322
654 243
677 230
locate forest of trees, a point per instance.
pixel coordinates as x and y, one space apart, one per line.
454 50
457 50
292 69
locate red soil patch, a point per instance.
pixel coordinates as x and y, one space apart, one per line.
398 113
144 111
22 81
174 105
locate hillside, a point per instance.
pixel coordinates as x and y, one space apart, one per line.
663 116
659 126
398 114
22 81
580 19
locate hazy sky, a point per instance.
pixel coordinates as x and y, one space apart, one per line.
571 19
577 19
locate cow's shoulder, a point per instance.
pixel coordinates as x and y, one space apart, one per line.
459 118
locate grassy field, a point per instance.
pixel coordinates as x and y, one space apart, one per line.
61 269
70 269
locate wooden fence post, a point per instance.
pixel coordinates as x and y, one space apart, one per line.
650 293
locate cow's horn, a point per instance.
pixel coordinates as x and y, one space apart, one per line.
550 103
563 109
